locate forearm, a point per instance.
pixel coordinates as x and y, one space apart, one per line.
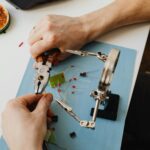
117 14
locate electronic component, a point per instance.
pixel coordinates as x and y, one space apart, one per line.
72 134
57 79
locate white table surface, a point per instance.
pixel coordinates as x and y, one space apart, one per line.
14 59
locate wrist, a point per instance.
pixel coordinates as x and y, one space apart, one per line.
101 21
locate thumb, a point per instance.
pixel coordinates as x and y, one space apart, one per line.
44 103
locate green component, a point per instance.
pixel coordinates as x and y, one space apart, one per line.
57 79
52 138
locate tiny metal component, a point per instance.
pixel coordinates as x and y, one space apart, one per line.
72 134
87 124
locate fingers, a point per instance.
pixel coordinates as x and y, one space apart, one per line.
34 37
29 99
44 103
40 47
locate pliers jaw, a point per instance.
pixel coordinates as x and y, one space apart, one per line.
41 76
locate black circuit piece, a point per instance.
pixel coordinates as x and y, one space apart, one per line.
110 112
83 74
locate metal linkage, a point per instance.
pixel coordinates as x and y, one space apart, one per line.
99 55
103 88
69 110
101 93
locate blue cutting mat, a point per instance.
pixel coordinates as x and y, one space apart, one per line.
107 134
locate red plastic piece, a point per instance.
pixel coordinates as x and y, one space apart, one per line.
74 78
73 86
59 90
21 44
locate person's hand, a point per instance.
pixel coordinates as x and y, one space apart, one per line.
23 128
55 31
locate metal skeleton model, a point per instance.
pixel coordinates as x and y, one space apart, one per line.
99 95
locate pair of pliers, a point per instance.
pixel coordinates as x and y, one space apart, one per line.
43 68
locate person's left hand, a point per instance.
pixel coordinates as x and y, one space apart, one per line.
24 128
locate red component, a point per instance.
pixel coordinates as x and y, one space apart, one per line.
73 86
20 44
74 78
55 63
59 90
59 85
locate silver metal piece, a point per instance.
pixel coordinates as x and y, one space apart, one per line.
99 55
41 76
102 92
87 124
68 109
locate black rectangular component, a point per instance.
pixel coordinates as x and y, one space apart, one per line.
110 112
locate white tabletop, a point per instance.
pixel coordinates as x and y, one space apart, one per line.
14 59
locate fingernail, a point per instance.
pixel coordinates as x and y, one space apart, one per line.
48 96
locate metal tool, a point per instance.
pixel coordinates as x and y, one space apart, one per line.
102 92
43 69
42 76
99 95
69 110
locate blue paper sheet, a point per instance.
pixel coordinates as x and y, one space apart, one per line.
107 134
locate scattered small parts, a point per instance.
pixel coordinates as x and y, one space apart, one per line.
21 44
57 79
73 86
74 78
54 118
59 90
72 134
83 74
72 66
73 92
59 85
4 19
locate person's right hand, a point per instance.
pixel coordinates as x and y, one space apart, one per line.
24 121
55 31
